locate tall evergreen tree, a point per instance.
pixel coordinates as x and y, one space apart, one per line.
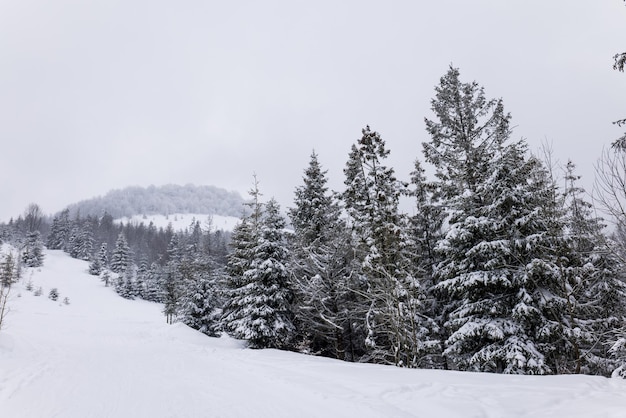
466 134
594 286
32 253
200 301
425 230
500 275
152 283
371 198
59 231
171 291
258 309
120 258
7 271
497 270
321 262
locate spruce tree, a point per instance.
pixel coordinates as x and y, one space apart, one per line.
7 271
321 262
242 243
496 259
200 302
59 231
595 290
394 325
32 254
425 230
95 268
120 258
152 283
171 291
466 134
103 255
258 309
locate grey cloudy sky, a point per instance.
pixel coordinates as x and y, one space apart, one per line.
96 95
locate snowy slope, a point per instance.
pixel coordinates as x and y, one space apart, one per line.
103 356
181 221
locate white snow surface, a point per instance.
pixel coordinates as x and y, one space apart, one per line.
181 221
104 356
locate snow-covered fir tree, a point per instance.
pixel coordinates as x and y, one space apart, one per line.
99 261
473 280
32 253
200 303
141 276
595 289
321 261
393 316
60 231
152 284
466 134
243 241
496 269
121 257
8 267
258 308
81 241
425 230
95 268
125 283
170 292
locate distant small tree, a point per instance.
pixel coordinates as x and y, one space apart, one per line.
59 231
105 276
94 267
6 280
171 294
4 298
33 217
7 271
32 255
125 285
120 259
54 294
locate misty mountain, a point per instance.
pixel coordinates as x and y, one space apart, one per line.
168 199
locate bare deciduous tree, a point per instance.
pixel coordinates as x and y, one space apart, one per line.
609 193
33 216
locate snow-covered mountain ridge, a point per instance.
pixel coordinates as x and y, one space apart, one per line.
104 356
167 199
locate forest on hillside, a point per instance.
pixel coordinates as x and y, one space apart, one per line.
503 267
163 200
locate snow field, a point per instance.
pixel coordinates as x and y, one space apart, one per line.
104 356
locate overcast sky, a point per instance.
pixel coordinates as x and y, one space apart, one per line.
96 95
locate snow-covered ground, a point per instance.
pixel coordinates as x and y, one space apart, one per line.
180 221
103 356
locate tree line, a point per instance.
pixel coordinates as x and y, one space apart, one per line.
498 269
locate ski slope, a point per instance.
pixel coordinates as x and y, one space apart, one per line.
103 356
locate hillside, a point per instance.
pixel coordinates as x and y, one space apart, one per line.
168 199
104 356
181 221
